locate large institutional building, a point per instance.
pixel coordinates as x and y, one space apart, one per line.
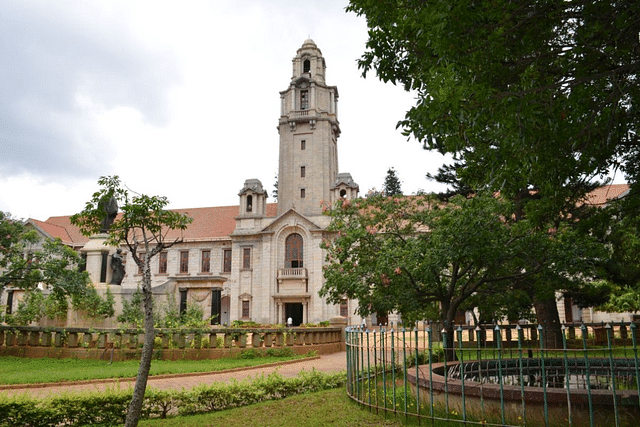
256 261
262 261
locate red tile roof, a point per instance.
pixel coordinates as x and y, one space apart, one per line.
60 227
601 195
214 223
217 223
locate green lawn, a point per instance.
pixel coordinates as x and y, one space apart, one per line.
17 370
324 408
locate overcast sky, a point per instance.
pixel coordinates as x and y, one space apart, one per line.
178 99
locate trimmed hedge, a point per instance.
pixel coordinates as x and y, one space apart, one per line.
109 408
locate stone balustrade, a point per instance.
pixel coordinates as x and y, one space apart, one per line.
30 341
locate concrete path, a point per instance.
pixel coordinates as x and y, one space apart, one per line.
335 362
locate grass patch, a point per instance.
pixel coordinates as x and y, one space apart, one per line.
330 407
17 370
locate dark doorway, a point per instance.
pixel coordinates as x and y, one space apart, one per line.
293 310
183 301
216 306
382 318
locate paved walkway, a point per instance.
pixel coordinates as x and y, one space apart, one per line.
326 363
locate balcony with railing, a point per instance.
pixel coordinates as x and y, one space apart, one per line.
292 273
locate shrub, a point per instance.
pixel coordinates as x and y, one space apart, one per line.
109 407
250 353
245 324
280 352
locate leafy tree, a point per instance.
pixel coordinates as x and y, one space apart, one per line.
275 188
16 254
143 223
26 263
622 269
374 192
425 259
537 100
524 94
391 185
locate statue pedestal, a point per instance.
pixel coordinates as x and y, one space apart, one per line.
98 258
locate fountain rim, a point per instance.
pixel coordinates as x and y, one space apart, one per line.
438 382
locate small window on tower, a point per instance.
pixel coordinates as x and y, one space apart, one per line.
304 99
343 193
249 203
303 144
303 171
302 193
306 66
246 259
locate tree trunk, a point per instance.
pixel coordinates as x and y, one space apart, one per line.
448 341
135 406
549 319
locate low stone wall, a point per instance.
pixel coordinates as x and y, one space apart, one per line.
170 344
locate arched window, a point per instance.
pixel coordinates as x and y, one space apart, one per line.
293 251
306 66
249 203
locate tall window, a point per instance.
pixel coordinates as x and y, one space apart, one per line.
293 251
303 171
206 261
306 66
302 193
249 203
226 261
303 144
304 99
344 308
162 263
184 261
245 310
246 259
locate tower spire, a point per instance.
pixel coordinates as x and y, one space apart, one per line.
309 131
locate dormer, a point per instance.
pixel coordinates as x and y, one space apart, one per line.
253 199
344 187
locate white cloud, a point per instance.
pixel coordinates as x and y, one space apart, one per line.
178 100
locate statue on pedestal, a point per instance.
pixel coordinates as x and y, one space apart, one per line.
117 265
110 207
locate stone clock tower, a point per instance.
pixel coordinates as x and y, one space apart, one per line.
309 131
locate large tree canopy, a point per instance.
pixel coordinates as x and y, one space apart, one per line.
524 94
427 260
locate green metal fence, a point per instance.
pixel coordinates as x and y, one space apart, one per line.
497 375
